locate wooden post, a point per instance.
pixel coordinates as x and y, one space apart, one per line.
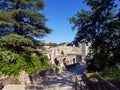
76 80
106 83
99 84
103 84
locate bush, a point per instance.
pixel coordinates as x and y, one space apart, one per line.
12 63
113 72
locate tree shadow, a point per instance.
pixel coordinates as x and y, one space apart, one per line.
59 80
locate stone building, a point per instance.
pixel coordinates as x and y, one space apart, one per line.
71 54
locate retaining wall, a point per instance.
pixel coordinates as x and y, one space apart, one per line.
39 75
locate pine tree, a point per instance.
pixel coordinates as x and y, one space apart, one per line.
21 23
23 17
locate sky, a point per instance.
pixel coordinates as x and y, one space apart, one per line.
58 13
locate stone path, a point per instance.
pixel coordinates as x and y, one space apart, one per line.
14 87
63 81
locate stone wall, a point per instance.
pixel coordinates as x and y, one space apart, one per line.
26 79
55 52
9 80
39 75
69 59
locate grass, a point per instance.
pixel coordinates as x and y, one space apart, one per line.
106 74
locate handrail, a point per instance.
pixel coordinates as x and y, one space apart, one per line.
106 83
103 84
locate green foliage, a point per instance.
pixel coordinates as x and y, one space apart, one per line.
99 62
50 44
113 72
21 23
23 17
110 73
101 27
11 63
36 63
63 43
69 44
16 43
53 44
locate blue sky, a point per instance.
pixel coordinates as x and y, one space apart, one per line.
57 12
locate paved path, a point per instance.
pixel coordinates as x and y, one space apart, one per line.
63 81
14 87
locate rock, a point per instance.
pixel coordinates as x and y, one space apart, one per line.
14 87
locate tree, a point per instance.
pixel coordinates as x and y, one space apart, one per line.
100 27
21 24
63 43
16 43
53 44
23 17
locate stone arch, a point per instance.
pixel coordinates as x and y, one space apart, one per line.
74 61
56 61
